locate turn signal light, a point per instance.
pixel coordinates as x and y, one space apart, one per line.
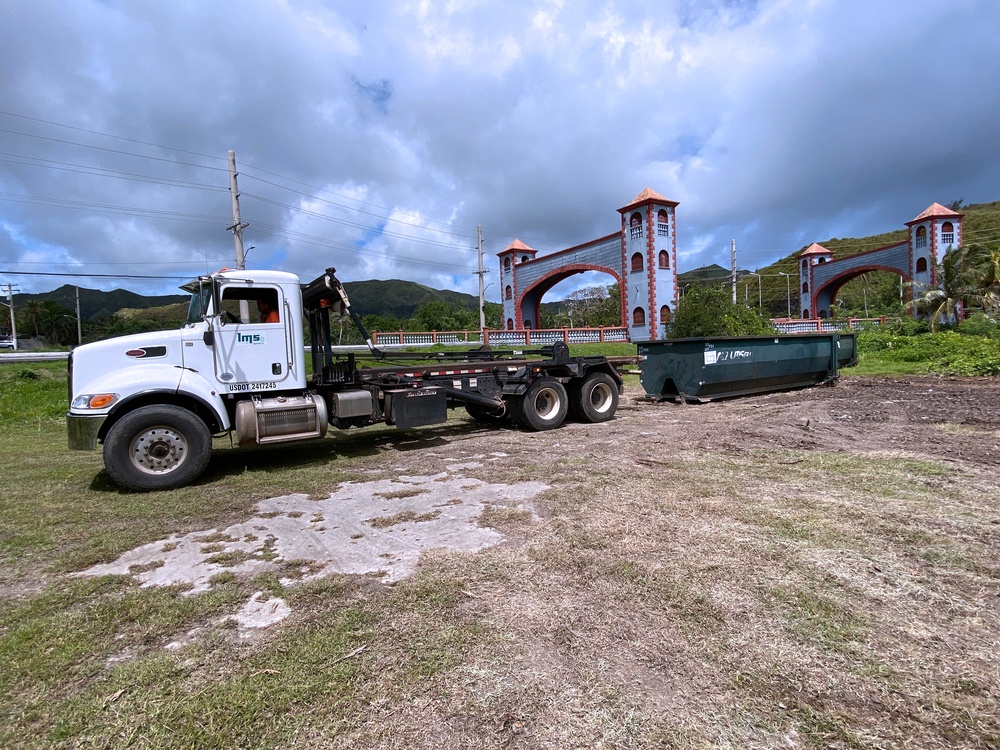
94 401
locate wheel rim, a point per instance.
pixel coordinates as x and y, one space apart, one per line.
547 404
158 450
601 398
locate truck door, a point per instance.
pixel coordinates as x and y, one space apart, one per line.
252 354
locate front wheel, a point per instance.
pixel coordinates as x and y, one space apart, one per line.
157 448
595 399
543 406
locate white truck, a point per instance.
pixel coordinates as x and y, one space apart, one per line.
155 400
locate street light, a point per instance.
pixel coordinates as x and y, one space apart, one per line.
788 291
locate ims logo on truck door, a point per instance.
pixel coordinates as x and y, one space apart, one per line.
250 338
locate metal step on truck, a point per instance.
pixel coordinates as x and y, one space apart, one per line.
239 367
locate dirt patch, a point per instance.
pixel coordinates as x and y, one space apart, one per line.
934 417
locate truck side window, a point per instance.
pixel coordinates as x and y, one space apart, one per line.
267 306
262 305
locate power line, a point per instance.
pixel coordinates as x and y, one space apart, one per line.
366 252
107 150
102 172
319 199
246 174
62 274
212 261
107 135
988 234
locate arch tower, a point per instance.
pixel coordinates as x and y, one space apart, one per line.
929 236
641 257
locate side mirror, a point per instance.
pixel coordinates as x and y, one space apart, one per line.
209 338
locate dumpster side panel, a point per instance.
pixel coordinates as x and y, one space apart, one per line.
847 354
704 369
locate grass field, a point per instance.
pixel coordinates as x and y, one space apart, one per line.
705 596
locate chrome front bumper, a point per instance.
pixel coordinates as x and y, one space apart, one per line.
83 431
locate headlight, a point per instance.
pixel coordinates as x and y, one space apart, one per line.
94 401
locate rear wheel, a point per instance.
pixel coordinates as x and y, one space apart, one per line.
157 448
595 399
543 406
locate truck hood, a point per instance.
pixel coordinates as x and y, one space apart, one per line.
100 359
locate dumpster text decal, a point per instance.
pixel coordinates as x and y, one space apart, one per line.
714 357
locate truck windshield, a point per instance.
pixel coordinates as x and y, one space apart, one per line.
201 297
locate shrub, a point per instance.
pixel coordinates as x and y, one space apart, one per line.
705 311
943 353
980 324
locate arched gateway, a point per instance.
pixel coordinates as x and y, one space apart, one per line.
929 237
641 257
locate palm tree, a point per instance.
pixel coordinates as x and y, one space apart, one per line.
32 314
986 262
962 283
60 327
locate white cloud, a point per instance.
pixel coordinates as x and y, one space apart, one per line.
776 122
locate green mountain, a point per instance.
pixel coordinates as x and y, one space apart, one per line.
95 304
400 299
394 297
713 274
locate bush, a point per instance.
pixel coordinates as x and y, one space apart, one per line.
907 326
980 324
942 353
706 311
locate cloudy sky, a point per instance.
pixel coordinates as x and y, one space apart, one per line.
376 136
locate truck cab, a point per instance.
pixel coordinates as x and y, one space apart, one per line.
244 331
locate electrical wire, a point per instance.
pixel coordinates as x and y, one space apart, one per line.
103 172
64 274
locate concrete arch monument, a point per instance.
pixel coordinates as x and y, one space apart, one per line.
641 257
929 236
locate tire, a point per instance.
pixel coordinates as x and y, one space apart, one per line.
486 416
595 399
543 406
157 448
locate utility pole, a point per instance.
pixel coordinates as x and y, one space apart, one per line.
788 291
238 226
79 328
482 289
13 325
732 253
237 229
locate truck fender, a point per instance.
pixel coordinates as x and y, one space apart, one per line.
162 384
195 385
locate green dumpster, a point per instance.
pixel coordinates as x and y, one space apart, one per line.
703 369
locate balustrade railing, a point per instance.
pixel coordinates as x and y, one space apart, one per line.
824 325
527 337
